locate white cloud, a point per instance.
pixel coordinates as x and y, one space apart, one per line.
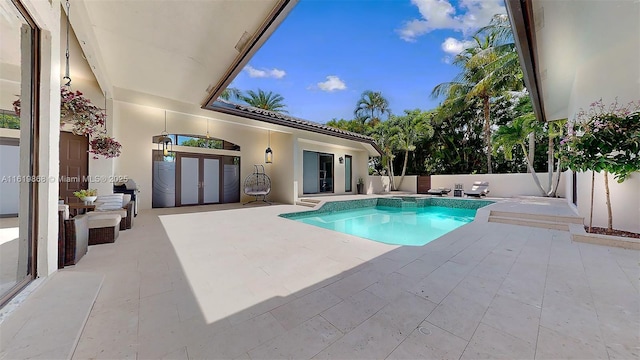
264 73
440 14
454 46
333 83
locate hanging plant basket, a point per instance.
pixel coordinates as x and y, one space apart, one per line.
85 119
105 146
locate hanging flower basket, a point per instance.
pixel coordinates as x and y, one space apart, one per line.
86 119
105 146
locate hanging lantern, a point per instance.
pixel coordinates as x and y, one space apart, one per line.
165 144
268 154
164 141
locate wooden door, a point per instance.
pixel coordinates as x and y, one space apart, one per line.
74 165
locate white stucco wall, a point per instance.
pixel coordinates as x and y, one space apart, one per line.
607 68
137 124
47 17
337 147
500 185
625 201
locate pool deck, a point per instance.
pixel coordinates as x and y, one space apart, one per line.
244 283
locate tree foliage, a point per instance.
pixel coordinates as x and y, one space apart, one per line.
265 100
371 107
605 139
487 70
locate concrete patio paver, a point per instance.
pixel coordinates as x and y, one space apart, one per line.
196 283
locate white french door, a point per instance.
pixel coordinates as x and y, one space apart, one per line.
199 179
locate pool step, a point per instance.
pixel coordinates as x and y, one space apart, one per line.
308 202
535 220
539 217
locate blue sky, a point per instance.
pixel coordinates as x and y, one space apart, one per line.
327 52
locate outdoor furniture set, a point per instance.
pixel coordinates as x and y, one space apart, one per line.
112 213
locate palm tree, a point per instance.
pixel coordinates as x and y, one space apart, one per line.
265 100
487 70
384 134
371 106
515 134
412 127
231 93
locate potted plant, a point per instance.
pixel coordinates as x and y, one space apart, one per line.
88 196
360 185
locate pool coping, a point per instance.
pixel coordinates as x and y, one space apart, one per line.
400 201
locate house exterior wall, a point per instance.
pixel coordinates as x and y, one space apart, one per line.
625 201
338 148
137 124
608 69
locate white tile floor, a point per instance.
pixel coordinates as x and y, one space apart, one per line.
244 283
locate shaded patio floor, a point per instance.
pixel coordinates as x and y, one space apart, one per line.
196 283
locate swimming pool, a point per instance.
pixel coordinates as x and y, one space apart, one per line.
414 226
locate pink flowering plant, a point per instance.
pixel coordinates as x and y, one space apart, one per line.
604 139
86 119
105 146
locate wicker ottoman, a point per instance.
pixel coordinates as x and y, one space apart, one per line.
104 228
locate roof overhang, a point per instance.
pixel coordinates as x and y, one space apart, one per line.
294 123
522 23
575 52
188 51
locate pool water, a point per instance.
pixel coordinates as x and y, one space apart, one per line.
397 226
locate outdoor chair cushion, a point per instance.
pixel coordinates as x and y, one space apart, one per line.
479 188
118 203
104 228
439 191
109 202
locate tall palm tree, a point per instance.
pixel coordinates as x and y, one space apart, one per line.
384 134
231 93
371 107
488 69
265 100
411 127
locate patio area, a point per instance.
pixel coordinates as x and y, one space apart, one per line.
202 283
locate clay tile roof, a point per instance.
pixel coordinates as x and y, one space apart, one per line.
289 121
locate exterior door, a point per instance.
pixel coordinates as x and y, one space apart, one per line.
348 173
199 179
74 165
317 172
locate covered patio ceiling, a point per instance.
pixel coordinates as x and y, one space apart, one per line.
188 51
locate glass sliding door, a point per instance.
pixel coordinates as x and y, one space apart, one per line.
18 148
326 173
317 172
348 177
310 172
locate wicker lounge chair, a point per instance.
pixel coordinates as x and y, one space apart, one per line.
121 205
479 188
439 191
257 184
